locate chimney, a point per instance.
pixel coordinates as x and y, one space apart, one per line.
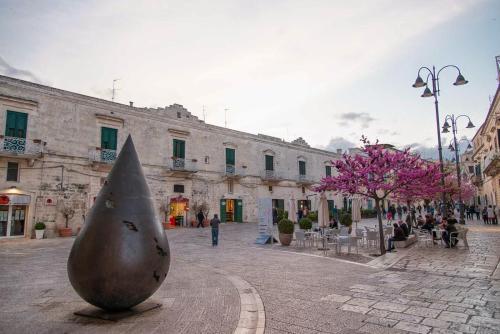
339 151
131 103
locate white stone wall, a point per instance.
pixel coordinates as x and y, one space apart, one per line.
70 124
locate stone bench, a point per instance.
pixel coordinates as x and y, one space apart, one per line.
403 244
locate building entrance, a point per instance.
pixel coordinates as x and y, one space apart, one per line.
177 213
13 215
231 210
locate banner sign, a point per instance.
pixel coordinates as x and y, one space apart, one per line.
265 221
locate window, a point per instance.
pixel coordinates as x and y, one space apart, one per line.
178 114
471 169
16 124
230 186
178 188
328 171
179 149
269 162
13 171
108 138
302 167
270 189
230 156
303 190
207 159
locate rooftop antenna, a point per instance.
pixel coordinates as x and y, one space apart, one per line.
225 117
204 120
114 90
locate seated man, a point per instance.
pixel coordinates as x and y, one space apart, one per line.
420 220
449 227
399 235
405 228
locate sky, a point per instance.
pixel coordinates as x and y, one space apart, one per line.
328 71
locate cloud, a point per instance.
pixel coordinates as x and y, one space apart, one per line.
431 152
11 71
362 117
387 132
338 143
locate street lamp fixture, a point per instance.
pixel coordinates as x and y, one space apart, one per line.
419 82
427 93
470 125
460 80
451 148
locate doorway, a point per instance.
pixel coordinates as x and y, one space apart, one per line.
231 210
12 220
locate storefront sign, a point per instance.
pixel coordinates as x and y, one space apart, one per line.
4 200
265 221
20 199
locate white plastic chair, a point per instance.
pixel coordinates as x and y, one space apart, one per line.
360 236
300 237
424 238
372 238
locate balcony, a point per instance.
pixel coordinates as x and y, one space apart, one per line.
21 147
102 159
492 164
182 167
231 171
271 176
477 180
304 179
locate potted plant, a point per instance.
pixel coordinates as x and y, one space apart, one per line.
285 229
313 216
346 220
305 223
68 213
39 230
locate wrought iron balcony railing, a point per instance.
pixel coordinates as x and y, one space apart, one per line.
304 178
21 146
183 165
271 175
233 171
492 164
102 155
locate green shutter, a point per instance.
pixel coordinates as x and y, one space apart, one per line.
269 162
328 170
238 211
302 167
230 156
223 210
108 138
179 148
280 204
16 124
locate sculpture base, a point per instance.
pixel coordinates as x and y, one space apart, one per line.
97 313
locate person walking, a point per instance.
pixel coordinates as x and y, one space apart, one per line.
200 216
399 210
484 213
215 222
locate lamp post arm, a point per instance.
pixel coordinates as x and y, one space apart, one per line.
457 117
442 68
424 68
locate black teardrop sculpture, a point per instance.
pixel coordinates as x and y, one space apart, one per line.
121 256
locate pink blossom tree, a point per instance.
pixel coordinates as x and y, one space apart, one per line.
378 173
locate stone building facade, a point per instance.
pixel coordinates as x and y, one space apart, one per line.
486 155
58 147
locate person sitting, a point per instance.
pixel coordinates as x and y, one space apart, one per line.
420 220
428 225
333 223
449 228
405 228
399 235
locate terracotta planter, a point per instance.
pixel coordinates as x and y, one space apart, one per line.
206 223
65 232
285 239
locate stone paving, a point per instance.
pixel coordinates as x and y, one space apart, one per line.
426 290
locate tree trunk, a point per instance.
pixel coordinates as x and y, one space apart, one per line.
380 226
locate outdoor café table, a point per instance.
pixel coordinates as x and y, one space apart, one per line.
312 236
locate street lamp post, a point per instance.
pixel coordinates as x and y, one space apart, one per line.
419 82
446 127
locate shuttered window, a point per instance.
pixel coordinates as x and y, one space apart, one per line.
269 162
328 170
302 167
230 156
108 138
179 149
16 124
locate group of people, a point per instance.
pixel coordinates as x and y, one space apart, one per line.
447 226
